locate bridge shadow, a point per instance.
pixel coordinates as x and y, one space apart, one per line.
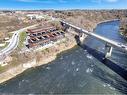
101 57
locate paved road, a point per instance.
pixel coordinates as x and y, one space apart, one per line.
13 41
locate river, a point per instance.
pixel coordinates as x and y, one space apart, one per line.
80 70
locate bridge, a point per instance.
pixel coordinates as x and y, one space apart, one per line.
109 44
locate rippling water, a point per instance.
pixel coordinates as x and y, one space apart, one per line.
79 70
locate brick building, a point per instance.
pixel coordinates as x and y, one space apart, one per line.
43 35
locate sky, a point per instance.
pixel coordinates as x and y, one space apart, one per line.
62 4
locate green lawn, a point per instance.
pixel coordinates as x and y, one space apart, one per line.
22 38
10 34
6 44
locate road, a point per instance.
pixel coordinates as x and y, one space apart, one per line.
14 41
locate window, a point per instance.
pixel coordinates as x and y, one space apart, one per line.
58 33
45 36
39 34
40 38
43 32
34 34
54 34
33 40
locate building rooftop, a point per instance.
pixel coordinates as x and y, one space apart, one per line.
43 34
40 29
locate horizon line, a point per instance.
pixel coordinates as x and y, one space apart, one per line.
64 9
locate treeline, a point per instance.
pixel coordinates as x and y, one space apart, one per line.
88 18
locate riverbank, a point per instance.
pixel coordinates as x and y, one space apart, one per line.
122 34
123 28
73 71
42 57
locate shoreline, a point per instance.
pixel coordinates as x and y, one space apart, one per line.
125 37
15 71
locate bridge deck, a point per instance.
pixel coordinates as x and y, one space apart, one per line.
113 43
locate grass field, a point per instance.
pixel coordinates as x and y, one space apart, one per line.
22 38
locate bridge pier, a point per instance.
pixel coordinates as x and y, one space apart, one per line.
108 50
66 27
82 36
